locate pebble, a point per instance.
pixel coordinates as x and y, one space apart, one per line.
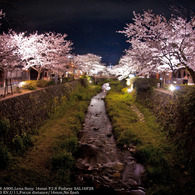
91 168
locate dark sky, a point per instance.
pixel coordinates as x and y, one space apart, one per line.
90 24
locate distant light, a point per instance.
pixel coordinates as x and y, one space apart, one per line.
90 81
174 82
129 90
172 88
177 87
128 82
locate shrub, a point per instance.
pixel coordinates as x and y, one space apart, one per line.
4 126
81 116
43 83
62 160
144 84
18 144
70 144
21 142
5 156
32 85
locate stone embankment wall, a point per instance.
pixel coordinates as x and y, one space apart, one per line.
29 110
161 103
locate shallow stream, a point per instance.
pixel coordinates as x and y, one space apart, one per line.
100 163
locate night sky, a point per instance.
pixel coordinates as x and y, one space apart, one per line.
90 24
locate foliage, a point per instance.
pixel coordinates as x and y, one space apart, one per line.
62 160
176 116
20 143
145 135
144 84
185 118
43 83
105 81
4 126
32 85
5 156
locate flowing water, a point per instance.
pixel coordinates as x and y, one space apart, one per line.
100 163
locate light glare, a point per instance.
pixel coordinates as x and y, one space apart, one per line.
172 88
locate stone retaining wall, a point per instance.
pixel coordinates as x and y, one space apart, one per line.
161 103
29 110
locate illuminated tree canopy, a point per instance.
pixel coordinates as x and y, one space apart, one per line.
89 63
158 44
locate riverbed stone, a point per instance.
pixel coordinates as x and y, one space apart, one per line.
116 175
118 166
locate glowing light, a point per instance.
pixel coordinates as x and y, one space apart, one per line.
131 76
21 84
129 90
128 82
90 81
172 88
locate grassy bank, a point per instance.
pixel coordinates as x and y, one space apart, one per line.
51 158
136 128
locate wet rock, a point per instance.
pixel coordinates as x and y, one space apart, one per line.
137 192
118 166
99 166
91 168
132 182
132 150
87 165
131 158
116 175
90 141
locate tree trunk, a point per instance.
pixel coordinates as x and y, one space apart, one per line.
11 86
6 87
192 73
38 76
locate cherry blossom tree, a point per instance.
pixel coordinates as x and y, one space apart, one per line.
169 43
41 51
125 67
1 15
89 63
9 56
32 50
58 51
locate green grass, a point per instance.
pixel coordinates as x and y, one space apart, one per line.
152 148
56 142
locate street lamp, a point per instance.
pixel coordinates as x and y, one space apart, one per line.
172 87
